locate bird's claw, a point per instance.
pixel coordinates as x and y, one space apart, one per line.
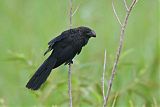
68 62
71 62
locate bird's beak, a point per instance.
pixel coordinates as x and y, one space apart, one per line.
93 33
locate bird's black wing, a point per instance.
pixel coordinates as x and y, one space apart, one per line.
62 36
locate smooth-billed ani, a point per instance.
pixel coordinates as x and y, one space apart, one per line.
64 48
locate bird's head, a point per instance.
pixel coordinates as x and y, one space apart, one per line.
87 31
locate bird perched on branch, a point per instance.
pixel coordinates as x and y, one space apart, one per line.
64 48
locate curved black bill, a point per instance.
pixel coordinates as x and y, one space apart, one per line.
93 33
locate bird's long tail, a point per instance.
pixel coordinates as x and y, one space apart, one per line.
42 73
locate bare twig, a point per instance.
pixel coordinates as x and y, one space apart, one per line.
69 70
115 99
70 14
75 10
125 3
115 13
104 69
123 26
70 86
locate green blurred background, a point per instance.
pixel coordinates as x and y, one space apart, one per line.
26 26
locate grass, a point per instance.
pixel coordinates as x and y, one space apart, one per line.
27 26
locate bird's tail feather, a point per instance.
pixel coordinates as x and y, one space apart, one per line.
41 74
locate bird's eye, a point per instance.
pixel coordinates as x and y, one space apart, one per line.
88 32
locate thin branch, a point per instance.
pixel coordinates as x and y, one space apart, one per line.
119 48
69 70
115 99
75 10
115 13
70 14
125 3
104 69
70 86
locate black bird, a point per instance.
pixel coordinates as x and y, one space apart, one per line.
64 48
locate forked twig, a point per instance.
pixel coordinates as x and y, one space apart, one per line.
123 26
75 10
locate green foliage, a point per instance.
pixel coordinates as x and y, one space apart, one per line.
26 26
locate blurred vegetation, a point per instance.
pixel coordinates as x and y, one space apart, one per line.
26 26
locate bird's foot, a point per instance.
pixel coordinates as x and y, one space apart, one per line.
71 62
68 62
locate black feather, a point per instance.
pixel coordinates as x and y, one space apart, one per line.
41 74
